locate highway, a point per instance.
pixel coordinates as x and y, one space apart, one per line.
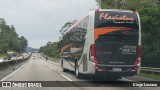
37 69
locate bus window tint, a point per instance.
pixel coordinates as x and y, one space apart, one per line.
75 38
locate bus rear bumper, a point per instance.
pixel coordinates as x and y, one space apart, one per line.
115 74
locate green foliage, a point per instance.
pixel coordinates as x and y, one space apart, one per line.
149 11
9 39
4 55
51 49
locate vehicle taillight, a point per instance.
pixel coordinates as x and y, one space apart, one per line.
134 12
96 67
136 68
92 54
97 10
92 48
139 55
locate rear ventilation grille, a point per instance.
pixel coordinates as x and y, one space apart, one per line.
118 38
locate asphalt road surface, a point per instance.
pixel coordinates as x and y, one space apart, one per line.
37 69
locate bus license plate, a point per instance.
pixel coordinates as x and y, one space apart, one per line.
117 69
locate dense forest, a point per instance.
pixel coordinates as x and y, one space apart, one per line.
10 40
51 49
149 11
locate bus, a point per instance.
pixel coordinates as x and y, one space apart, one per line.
105 43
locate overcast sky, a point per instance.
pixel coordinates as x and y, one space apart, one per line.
40 20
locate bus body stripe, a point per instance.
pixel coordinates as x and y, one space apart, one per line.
65 47
105 30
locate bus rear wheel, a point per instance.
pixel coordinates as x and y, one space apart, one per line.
78 75
63 69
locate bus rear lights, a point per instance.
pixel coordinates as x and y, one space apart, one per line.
139 54
139 51
96 67
93 55
138 60
97 10
92 48
136 68
134 12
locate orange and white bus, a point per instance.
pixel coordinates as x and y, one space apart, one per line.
105 43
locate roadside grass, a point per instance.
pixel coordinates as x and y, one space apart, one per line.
3 55
150 75
50 58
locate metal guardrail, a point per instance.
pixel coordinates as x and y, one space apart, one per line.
150 70
4 62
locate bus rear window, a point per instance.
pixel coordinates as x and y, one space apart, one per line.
116 19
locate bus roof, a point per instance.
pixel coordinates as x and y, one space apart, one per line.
121 10
92 11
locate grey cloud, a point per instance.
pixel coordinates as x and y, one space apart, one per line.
40 20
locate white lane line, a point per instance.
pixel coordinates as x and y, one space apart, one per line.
54 63
14 71
126 79
66 77
49 60
50 68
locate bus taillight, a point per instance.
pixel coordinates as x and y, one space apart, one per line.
96 67
134 12
136 68
92 54
139 54
97 10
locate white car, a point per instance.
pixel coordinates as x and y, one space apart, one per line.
13 58
1 59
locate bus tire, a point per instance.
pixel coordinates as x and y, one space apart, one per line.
64 70
78 75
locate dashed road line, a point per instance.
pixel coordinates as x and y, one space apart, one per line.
54 63
50 68
50 61
66 77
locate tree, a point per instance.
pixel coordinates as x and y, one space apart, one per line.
9 39
23 43
67 26
51 49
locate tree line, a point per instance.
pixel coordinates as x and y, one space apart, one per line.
52 49
149 11
10 40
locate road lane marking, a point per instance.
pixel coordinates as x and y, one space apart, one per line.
14 71
49 60
66 77
54 63
50 68
126 79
